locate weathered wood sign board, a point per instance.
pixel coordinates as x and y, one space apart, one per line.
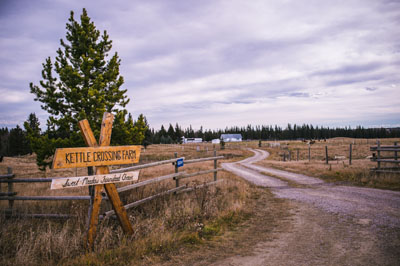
95 156
81 181
100 155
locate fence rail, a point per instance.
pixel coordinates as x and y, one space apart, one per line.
6 176
142 166
11 195
387 159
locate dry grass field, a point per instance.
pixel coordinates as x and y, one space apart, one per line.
159 226
164 226
358 173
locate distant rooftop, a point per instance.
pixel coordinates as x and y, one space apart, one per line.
231 136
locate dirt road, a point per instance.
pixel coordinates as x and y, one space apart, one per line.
330 225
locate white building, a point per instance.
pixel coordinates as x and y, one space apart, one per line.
215 141
191 140
231 137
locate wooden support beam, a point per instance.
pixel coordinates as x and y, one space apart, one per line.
93 218
119 208
104 140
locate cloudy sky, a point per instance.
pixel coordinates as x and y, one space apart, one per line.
222 63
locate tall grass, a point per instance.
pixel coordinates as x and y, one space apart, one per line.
160 226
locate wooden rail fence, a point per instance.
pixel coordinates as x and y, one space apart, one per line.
386 154
11 195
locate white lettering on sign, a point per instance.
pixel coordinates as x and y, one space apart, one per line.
81 181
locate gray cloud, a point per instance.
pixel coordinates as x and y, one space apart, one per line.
350 69
299 94
345 81
199 62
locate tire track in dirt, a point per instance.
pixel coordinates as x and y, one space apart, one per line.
254 176
331 225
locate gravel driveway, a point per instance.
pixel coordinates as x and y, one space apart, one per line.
331 225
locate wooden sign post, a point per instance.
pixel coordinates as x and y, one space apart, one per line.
100 155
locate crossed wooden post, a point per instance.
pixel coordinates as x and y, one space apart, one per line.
100 155
104 140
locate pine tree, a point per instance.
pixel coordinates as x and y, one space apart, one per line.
178 133
171 133
4 135
32 128
148 134
18 144
81 84
140 128
32 124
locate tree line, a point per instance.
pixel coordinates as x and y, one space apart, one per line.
21 141
175 133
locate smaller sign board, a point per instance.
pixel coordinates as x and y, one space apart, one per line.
81 181
179 162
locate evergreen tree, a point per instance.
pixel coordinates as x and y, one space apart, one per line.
4 135
32 128
122 130
171 133
140 128
199 133
161 134
18 144
32 124
189 132
84 86
178 133
148 135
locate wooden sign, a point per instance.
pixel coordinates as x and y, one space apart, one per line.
81 181
95 156
100 155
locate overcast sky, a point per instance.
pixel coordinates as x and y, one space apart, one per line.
222 63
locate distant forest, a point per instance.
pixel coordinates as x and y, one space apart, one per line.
15 142
291 132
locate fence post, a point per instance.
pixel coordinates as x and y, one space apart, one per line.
10 190
176 170
290 155
351 150
215 165
91 195
378 151
309 152
395 153
297 154
326 154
